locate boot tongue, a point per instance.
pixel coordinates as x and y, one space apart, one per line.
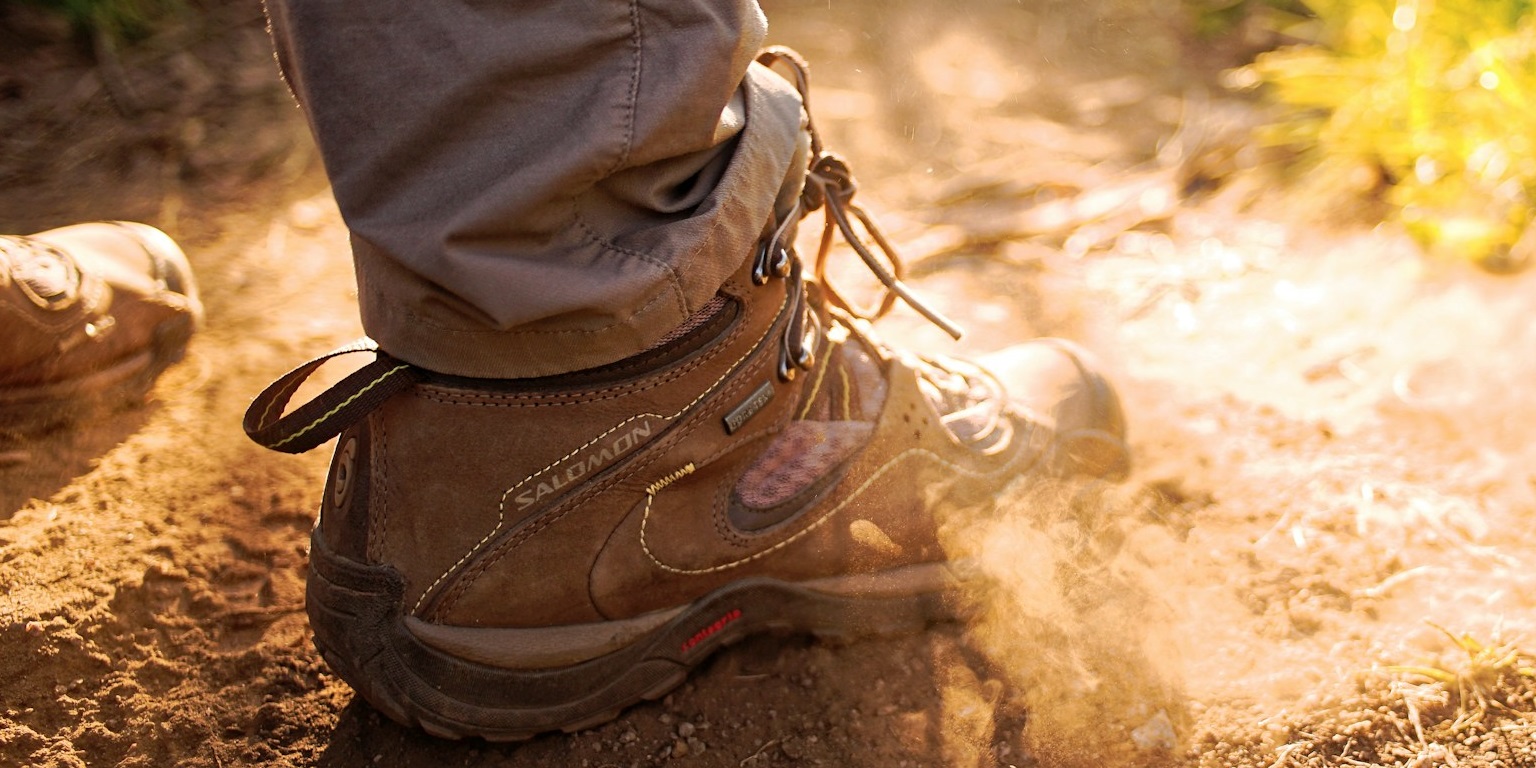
848 386
969 402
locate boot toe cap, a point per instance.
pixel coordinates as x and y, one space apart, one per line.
1061 386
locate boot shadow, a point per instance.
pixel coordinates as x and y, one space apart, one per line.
39 466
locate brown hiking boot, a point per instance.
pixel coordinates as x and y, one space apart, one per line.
93 313
502 558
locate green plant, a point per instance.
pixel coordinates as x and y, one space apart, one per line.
1211 19
1438 98
1476 682
115 18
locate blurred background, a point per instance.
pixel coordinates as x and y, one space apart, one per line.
1415 112
1297 230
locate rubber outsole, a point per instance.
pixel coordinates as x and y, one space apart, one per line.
356 612
33 410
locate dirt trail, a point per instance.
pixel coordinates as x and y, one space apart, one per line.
1331 432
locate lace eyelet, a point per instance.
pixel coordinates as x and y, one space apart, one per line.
787 372
760 266
781 263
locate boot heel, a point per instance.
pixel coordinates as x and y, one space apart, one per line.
355 611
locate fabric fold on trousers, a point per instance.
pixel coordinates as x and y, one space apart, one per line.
538 188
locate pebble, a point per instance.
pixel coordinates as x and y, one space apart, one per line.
685 730
790 746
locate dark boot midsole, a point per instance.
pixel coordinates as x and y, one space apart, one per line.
356 614
546 647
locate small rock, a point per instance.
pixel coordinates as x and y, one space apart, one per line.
791 748
685 729
679 748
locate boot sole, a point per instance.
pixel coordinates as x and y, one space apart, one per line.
32 410
356 612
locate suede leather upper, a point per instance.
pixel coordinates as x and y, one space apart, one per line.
537 506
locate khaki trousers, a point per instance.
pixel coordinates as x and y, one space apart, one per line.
534 188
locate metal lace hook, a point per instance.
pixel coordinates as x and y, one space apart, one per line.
794 349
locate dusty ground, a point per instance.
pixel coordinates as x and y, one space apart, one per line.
1331 431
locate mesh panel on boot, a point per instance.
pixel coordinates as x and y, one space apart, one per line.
803 452
841 404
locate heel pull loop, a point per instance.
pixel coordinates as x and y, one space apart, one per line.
333 410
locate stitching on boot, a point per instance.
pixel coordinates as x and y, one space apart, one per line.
343 404
501 507
521 400
380 488
842 378
821 374
282 395
889 465
722 498
470 576
473 572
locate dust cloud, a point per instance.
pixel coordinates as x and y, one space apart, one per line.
1069 613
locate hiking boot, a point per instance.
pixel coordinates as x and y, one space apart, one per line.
94 312
503 558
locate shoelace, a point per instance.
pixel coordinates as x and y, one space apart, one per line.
830 186
969 396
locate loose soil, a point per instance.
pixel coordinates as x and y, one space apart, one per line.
1323 558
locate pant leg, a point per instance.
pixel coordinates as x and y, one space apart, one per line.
533 187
